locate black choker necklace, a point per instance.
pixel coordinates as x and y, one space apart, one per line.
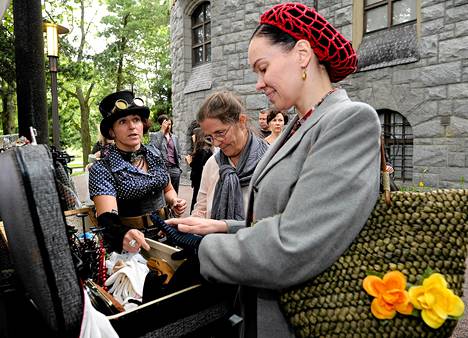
133 157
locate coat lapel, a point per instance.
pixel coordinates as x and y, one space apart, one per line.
274 155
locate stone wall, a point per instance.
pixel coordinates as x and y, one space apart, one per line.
432 93
232 24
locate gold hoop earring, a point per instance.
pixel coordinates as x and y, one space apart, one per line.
304 75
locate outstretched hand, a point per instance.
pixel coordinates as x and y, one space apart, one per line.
197 225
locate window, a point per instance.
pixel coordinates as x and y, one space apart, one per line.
385 32
380 14
201 34
398 136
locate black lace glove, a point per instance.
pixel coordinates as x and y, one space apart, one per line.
188 242
113 231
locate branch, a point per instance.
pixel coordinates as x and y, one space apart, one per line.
90 89
69 92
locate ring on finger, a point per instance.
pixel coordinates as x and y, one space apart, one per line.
132 243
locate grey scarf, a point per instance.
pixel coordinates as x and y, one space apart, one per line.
228 201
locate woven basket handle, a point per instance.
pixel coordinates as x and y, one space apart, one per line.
384 173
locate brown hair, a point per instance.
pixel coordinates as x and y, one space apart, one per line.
223 105
200 141
272 114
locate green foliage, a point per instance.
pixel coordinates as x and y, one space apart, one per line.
8 116
139 41
137 38
7 52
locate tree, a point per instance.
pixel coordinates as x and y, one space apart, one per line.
135 57
78 79
7 74
138 55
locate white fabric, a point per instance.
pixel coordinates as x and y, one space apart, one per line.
127 283
95 324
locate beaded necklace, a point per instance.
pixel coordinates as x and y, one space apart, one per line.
301 121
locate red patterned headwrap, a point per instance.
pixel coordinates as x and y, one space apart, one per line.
305 23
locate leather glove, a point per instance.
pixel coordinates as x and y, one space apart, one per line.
154 286
114 230
188 242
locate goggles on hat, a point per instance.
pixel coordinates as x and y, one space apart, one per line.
122 104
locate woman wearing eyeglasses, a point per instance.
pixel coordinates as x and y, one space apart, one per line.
131 180
226 175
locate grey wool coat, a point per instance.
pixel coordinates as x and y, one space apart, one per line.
311 197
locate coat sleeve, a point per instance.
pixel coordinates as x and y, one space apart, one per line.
336 188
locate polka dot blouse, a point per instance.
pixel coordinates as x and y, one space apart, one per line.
114 176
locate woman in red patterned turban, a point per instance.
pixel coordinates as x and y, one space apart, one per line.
315 187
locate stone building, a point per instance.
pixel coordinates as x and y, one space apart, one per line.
413 69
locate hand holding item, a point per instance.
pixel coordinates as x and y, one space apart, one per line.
183 240
134 240
389 169
179 206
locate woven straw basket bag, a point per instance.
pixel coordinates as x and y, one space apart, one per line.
413 232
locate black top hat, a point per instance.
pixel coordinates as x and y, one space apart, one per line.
117 105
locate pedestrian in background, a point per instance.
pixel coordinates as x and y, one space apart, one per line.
202 151
276 121
168 145
264 131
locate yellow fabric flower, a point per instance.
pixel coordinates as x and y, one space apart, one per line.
390 295
435 301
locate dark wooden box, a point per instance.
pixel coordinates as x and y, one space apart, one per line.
41 256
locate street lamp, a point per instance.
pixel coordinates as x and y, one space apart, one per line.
52 31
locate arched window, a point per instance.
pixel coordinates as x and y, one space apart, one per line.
398 136
380 14
201 34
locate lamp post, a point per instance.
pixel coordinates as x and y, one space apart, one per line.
52 32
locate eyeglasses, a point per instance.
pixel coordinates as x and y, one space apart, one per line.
218 136
121 104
